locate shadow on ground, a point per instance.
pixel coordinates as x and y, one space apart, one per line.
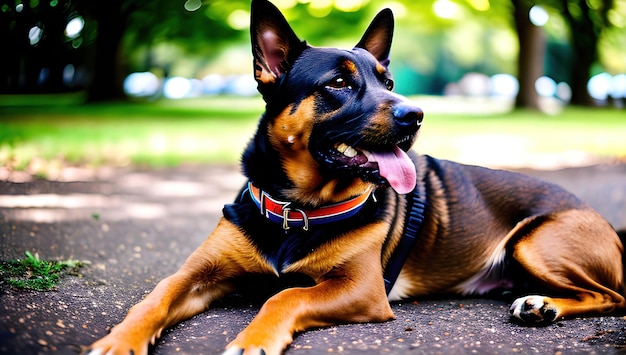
136 227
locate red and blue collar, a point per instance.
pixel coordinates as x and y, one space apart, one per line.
284 213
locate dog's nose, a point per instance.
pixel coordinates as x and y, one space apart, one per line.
408 115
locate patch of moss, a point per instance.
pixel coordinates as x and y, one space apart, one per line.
31 273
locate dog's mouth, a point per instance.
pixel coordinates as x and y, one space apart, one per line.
392 164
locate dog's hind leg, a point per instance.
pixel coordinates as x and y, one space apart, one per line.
576 256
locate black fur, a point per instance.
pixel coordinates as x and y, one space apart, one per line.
292 71
285 247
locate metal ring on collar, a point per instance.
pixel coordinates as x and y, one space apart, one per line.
305 218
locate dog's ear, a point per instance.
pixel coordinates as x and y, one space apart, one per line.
274 44
378 36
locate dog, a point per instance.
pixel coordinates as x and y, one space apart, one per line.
335 193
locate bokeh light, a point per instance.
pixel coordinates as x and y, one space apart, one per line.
74 27
538 16
176 87
504 85
599 86
446 9
144 84
545 86
193 5
35 34
239 19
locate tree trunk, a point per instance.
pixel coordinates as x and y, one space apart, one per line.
585 45
581 68
108 78
532 47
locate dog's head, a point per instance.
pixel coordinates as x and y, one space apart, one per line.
331 117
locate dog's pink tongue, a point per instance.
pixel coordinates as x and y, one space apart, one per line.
398 169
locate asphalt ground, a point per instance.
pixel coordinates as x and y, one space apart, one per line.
135 227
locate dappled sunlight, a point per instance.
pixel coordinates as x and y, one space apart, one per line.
514 152
148 184
484 131
128 195
463 105
54 200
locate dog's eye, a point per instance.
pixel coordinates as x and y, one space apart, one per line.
389 84
339 82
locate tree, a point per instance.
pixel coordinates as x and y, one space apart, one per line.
125 35
125 25
108 74
39 54
531 55
586 20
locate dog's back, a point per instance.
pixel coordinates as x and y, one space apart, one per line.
335 194
488 230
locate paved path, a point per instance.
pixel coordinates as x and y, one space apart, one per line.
136 227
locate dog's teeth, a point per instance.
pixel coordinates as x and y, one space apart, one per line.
341 148
370 156
350 152
346 150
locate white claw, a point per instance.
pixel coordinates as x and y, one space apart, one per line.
233 351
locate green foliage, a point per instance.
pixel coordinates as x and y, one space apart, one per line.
34 274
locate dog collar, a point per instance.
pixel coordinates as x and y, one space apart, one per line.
282 212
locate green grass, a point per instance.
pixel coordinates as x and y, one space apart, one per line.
32 273
592 131
155 134
216 129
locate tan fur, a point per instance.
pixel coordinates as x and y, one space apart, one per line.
380 68
568 236
289 134
571 252
478 225
350 66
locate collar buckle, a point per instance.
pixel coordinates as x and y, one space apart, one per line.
281 211
287 209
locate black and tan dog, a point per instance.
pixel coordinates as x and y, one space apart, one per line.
335 194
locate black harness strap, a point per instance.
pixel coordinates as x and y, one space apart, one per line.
416 208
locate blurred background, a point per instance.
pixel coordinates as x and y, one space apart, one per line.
170 81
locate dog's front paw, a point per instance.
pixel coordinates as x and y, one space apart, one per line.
111 351
112 345
235 350
534 309
263 341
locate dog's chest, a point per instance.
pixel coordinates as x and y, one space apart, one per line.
280 247
283 248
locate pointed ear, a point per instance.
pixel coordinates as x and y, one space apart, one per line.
378 36
274 44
